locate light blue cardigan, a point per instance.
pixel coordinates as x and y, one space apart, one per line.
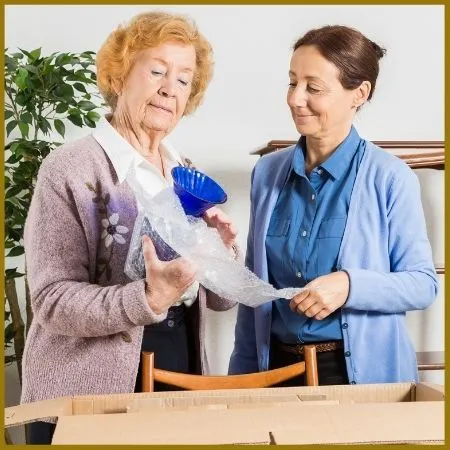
385 251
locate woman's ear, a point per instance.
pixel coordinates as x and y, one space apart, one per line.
362 94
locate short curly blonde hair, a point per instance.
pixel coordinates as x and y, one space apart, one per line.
148 30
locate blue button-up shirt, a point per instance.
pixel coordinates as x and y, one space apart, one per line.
305 234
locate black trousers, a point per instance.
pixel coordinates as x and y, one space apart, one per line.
174 344
331 366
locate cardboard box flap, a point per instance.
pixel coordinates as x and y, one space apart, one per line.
30 412
429 392
122 403
357 423
392 392
140 404
374 423
138 429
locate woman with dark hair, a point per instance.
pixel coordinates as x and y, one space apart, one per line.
341 218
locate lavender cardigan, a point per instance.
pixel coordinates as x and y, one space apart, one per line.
88 323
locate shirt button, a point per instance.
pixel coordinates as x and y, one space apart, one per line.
313 197
170 323
319 171
345 326
126 337
347 354
299 274
304 233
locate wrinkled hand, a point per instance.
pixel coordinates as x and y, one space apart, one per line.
322 296
166 281
217 219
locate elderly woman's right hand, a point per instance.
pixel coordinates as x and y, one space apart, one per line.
166 281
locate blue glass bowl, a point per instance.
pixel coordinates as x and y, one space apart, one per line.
196 191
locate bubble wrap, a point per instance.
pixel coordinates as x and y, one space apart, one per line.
175 234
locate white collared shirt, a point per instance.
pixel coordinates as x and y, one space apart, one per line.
126 160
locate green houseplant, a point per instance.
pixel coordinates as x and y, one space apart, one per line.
42 93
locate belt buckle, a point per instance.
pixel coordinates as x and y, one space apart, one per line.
300 349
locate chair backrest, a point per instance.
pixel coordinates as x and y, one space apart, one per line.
252 380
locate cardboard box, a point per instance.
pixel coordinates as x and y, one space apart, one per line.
354 414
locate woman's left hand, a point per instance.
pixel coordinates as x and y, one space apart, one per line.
322 296
217 219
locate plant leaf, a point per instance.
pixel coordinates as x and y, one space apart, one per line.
76 120
12 273
32 69
9 332
90 123
10 126
74 112
24 129
60 127
61 108
13 191
16 251
86 105
79 87
63 59
21 78
36 53
92 115
27 118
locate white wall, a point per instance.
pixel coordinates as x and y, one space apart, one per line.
245 103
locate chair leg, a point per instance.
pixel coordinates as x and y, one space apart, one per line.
148 359
312 375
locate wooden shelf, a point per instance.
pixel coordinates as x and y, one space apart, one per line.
430 360
417 154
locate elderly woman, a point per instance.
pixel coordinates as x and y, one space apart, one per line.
91 322
342 219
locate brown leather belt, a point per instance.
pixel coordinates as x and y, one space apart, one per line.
297 349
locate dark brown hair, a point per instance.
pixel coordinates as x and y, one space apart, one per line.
355 56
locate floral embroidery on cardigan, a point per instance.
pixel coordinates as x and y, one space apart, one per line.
112 232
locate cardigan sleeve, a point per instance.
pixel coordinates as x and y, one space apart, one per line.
244 358
57 255
411 283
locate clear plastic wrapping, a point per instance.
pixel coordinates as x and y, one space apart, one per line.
175 234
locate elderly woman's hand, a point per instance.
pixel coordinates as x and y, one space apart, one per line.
166 281
322 296
217 219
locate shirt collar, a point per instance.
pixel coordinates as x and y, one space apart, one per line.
298 162
337 163
122 154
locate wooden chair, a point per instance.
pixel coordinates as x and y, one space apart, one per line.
252 380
